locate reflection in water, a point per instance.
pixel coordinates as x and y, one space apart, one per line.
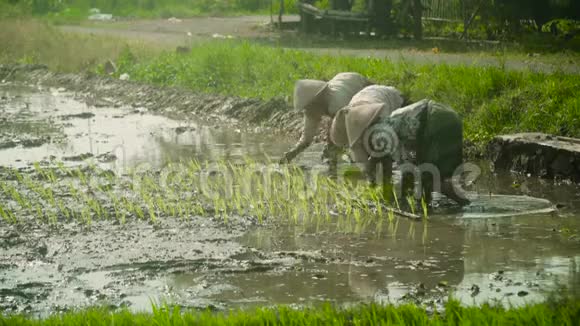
343 267
132 136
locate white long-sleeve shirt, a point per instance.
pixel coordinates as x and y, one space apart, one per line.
338 94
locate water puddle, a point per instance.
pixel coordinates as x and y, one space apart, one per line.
510 245
51 124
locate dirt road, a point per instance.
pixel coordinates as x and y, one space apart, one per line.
172 33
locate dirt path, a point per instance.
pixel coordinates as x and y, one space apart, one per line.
172 33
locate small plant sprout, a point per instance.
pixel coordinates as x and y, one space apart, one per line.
152 214
396 199
52 217
412 203
7 215
425 208
39 213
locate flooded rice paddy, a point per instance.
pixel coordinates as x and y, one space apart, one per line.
66 243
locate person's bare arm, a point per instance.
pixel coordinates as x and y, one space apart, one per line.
311 124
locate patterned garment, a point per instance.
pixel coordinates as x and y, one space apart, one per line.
430 129
405 122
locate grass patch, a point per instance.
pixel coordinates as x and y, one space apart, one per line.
35 41
491 100
562 314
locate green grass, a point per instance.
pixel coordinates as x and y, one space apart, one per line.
491 100
36 41
78 10
562 314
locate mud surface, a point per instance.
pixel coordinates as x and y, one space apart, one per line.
491 250
273 116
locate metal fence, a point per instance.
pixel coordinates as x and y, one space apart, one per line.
443 9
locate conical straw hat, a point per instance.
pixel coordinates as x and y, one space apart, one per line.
306 91
359 118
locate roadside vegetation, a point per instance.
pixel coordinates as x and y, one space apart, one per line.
562 314
78 10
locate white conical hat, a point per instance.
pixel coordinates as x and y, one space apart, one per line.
306 91
359 118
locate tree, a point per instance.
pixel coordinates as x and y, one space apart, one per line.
417 10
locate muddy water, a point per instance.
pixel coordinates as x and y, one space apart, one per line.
492 250
51 124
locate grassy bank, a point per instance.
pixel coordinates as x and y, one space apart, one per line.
492 100
563 314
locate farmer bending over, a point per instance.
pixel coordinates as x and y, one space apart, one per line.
387 98
316 98
431 130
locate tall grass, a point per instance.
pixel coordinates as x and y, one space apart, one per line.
34 41
563 314
491 100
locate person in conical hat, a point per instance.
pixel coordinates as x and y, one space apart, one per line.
432 130
316 99
371 100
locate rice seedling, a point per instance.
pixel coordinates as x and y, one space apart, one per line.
39 213
139 212
15 195
246 189
7 215
425 208
396 198
62 208
16 174
152 212
412 203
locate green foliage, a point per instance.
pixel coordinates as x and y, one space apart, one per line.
565 313
490 99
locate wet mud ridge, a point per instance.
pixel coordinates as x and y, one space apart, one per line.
537 154
274 115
